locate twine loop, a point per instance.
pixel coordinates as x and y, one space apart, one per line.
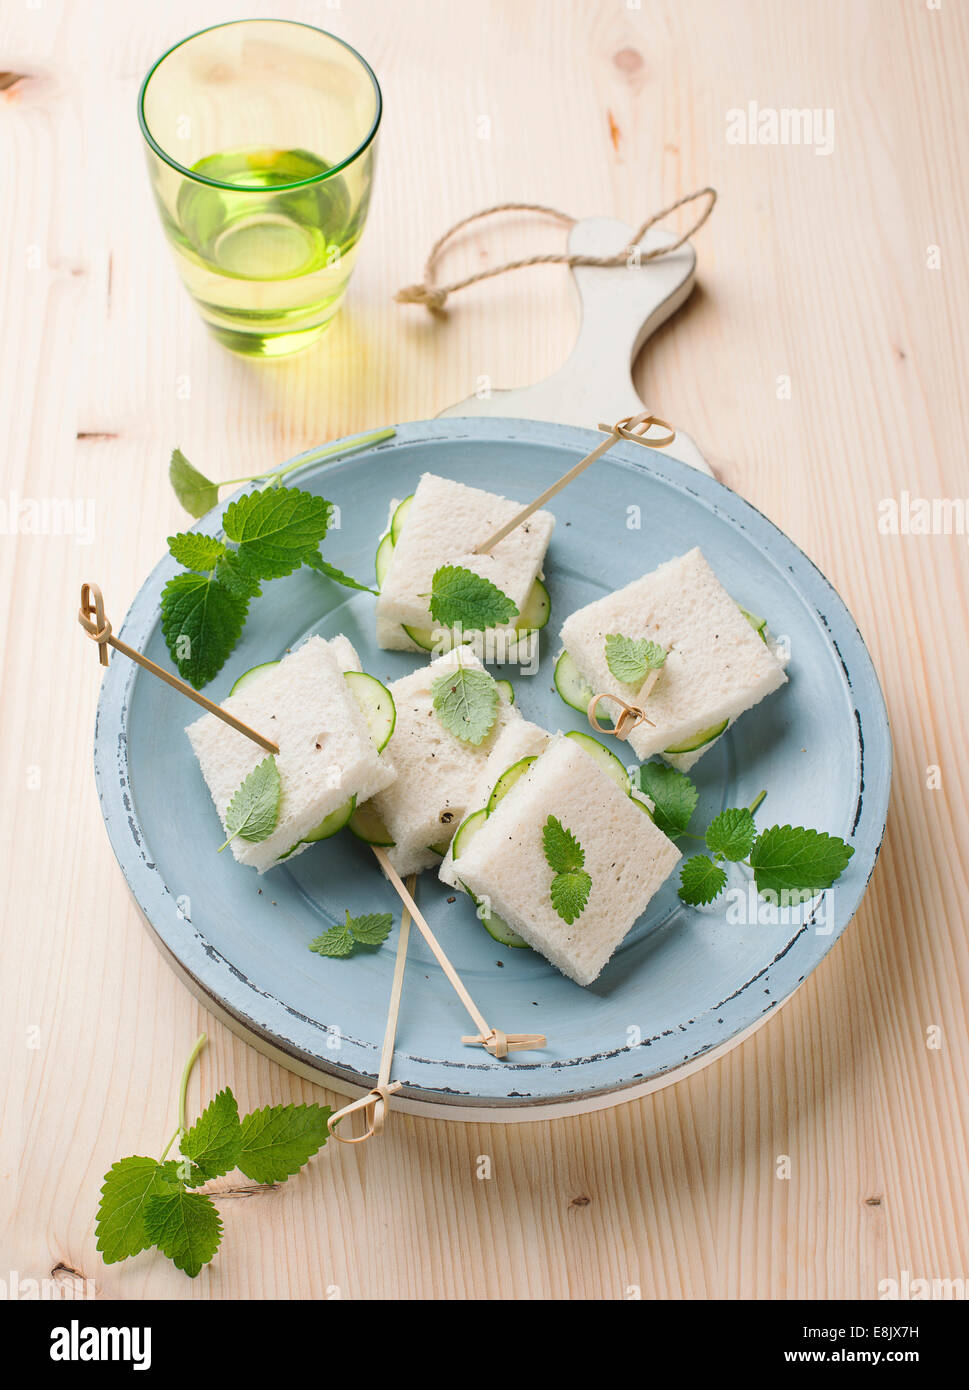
434 296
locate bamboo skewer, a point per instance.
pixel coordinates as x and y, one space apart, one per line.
633 428
91 617
376 1102
493 1040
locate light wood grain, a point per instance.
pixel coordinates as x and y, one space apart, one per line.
812 267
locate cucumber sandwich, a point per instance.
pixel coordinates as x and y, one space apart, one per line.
439 526
562 856
710 659
330 721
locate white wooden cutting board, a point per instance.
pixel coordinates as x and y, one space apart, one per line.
620 307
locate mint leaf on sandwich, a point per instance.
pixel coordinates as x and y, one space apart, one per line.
673 795
277 529
630 659
789 859
459 596
254 809
466 702
571 886
563 853
193 489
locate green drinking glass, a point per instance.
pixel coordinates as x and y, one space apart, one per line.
261 138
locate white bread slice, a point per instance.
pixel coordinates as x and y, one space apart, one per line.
326 754
718 666
627 858
436 770
520 739
444 523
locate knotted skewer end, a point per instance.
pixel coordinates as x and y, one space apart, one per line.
91 617
499 1044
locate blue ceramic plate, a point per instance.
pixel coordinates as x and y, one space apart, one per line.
684 981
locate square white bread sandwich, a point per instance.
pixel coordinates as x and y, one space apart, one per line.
504 864
719 663
437 772
328 761
440 525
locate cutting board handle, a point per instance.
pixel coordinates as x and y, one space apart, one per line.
620 307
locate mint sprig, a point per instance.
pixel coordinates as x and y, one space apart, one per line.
343 938
466 702
571 884
630 659
459 597
253 812
789 862
269 533
149 1202
199 494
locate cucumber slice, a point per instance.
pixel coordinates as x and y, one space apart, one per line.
571 685
758 624
609 763
698 740
327 827
536 609
383 557
507 780
367 826
466 831
423 637
377 704
398 519
252 675
440 849
496 927
506 690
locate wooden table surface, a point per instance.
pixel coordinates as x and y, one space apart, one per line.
820 365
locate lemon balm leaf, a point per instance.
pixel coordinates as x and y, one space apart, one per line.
277 530
790 859
128 1185
279 1139
731 833
563 852
202 621
466 702
630 659
673 795
253 811
701 880
197 493
459 596
185 1226
213 1142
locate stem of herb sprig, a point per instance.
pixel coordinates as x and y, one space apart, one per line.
756 802
183 1091
277 474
